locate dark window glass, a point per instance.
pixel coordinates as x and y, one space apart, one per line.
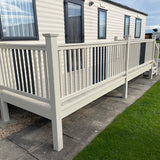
138 28
126 25
74 22
102 24
18 19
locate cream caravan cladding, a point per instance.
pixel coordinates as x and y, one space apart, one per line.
50 17
51 20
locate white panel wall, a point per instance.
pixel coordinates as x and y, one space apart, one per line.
115 21
51 19
50 15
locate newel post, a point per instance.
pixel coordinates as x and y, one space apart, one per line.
54 85
125 86
4 109
153 53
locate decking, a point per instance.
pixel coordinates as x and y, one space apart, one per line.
55 80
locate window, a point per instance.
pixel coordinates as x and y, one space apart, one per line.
102 15
74 21
126 25
18 20
138 28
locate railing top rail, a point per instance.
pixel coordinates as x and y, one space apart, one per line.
86 45
142 40
23 46
70 46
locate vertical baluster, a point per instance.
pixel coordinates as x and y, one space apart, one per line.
46 73
2 68
118 64
79 69
83 67
17 70
91 65
87 67
104 63
124 57
114 59
75 69
100 65
33 70
65 72
25 69
40 72
98 77
8 67
29 71
36 73
107 62
21 72
60 54
12 68
121 59
117 60
95 64
70 71
110 61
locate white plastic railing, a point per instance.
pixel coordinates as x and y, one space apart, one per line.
85 65
60 79
24 68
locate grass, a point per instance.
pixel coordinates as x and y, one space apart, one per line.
133 135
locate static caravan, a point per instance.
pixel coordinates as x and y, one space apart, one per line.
57 56
75 21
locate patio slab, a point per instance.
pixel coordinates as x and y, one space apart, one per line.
79 129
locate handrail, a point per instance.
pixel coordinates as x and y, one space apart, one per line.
114 43
23 46
84 45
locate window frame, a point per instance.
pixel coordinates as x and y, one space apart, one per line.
136 28
78 2
104 10
126 16
2 38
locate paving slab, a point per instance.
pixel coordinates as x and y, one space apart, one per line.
45 151
32 136
79 129
10 151
26 157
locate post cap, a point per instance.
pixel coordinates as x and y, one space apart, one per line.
127 37
154 36
116 38
50 35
